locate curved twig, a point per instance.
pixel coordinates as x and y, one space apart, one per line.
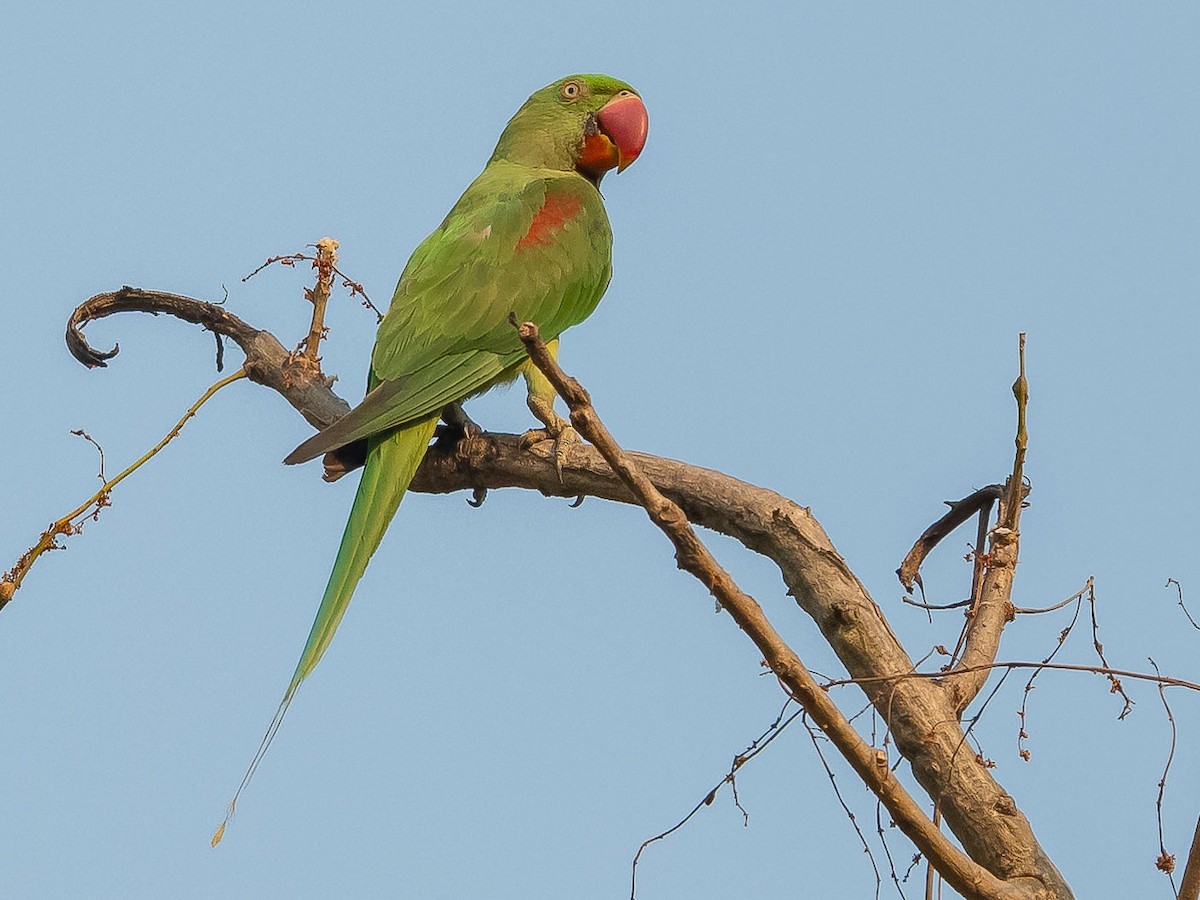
72 522
958 604
1179 591
267 361
977 502
1038 610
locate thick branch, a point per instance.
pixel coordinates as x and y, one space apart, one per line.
267 362
1189 888
924 725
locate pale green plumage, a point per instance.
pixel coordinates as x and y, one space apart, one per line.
529 236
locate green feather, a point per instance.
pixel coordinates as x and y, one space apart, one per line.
392 460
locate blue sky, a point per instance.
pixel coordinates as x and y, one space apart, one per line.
842 219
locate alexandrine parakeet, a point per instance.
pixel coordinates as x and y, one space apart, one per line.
529 236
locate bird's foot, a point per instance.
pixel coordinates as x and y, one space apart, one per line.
563 436
456 427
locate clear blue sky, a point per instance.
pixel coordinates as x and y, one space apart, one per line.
843 217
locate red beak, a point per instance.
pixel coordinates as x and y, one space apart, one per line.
624 121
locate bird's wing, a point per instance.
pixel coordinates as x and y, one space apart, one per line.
537 246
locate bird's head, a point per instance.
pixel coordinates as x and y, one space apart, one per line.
586 123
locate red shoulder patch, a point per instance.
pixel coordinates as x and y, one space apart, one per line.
556 211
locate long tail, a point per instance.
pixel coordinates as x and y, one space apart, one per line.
392 462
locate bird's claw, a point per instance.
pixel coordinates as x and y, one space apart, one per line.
563 437
456 427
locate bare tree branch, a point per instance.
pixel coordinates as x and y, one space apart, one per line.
318 296
267 361
975 503
993 607
917 711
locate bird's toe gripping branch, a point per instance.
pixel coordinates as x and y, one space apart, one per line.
557 429
457 426
541 396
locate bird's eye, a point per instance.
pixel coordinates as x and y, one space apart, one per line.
570 90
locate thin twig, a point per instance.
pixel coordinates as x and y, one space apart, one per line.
979 501
79 432
287 259
879 829
1060 667
1166 861
357 290
887 850
1022 733
958 604
1033 611
814 735
756 746
912 864
968 733
1179 591
72 522
979 558
1115 682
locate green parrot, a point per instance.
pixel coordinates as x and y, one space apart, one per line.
529 236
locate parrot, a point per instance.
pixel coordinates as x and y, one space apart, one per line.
529 237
